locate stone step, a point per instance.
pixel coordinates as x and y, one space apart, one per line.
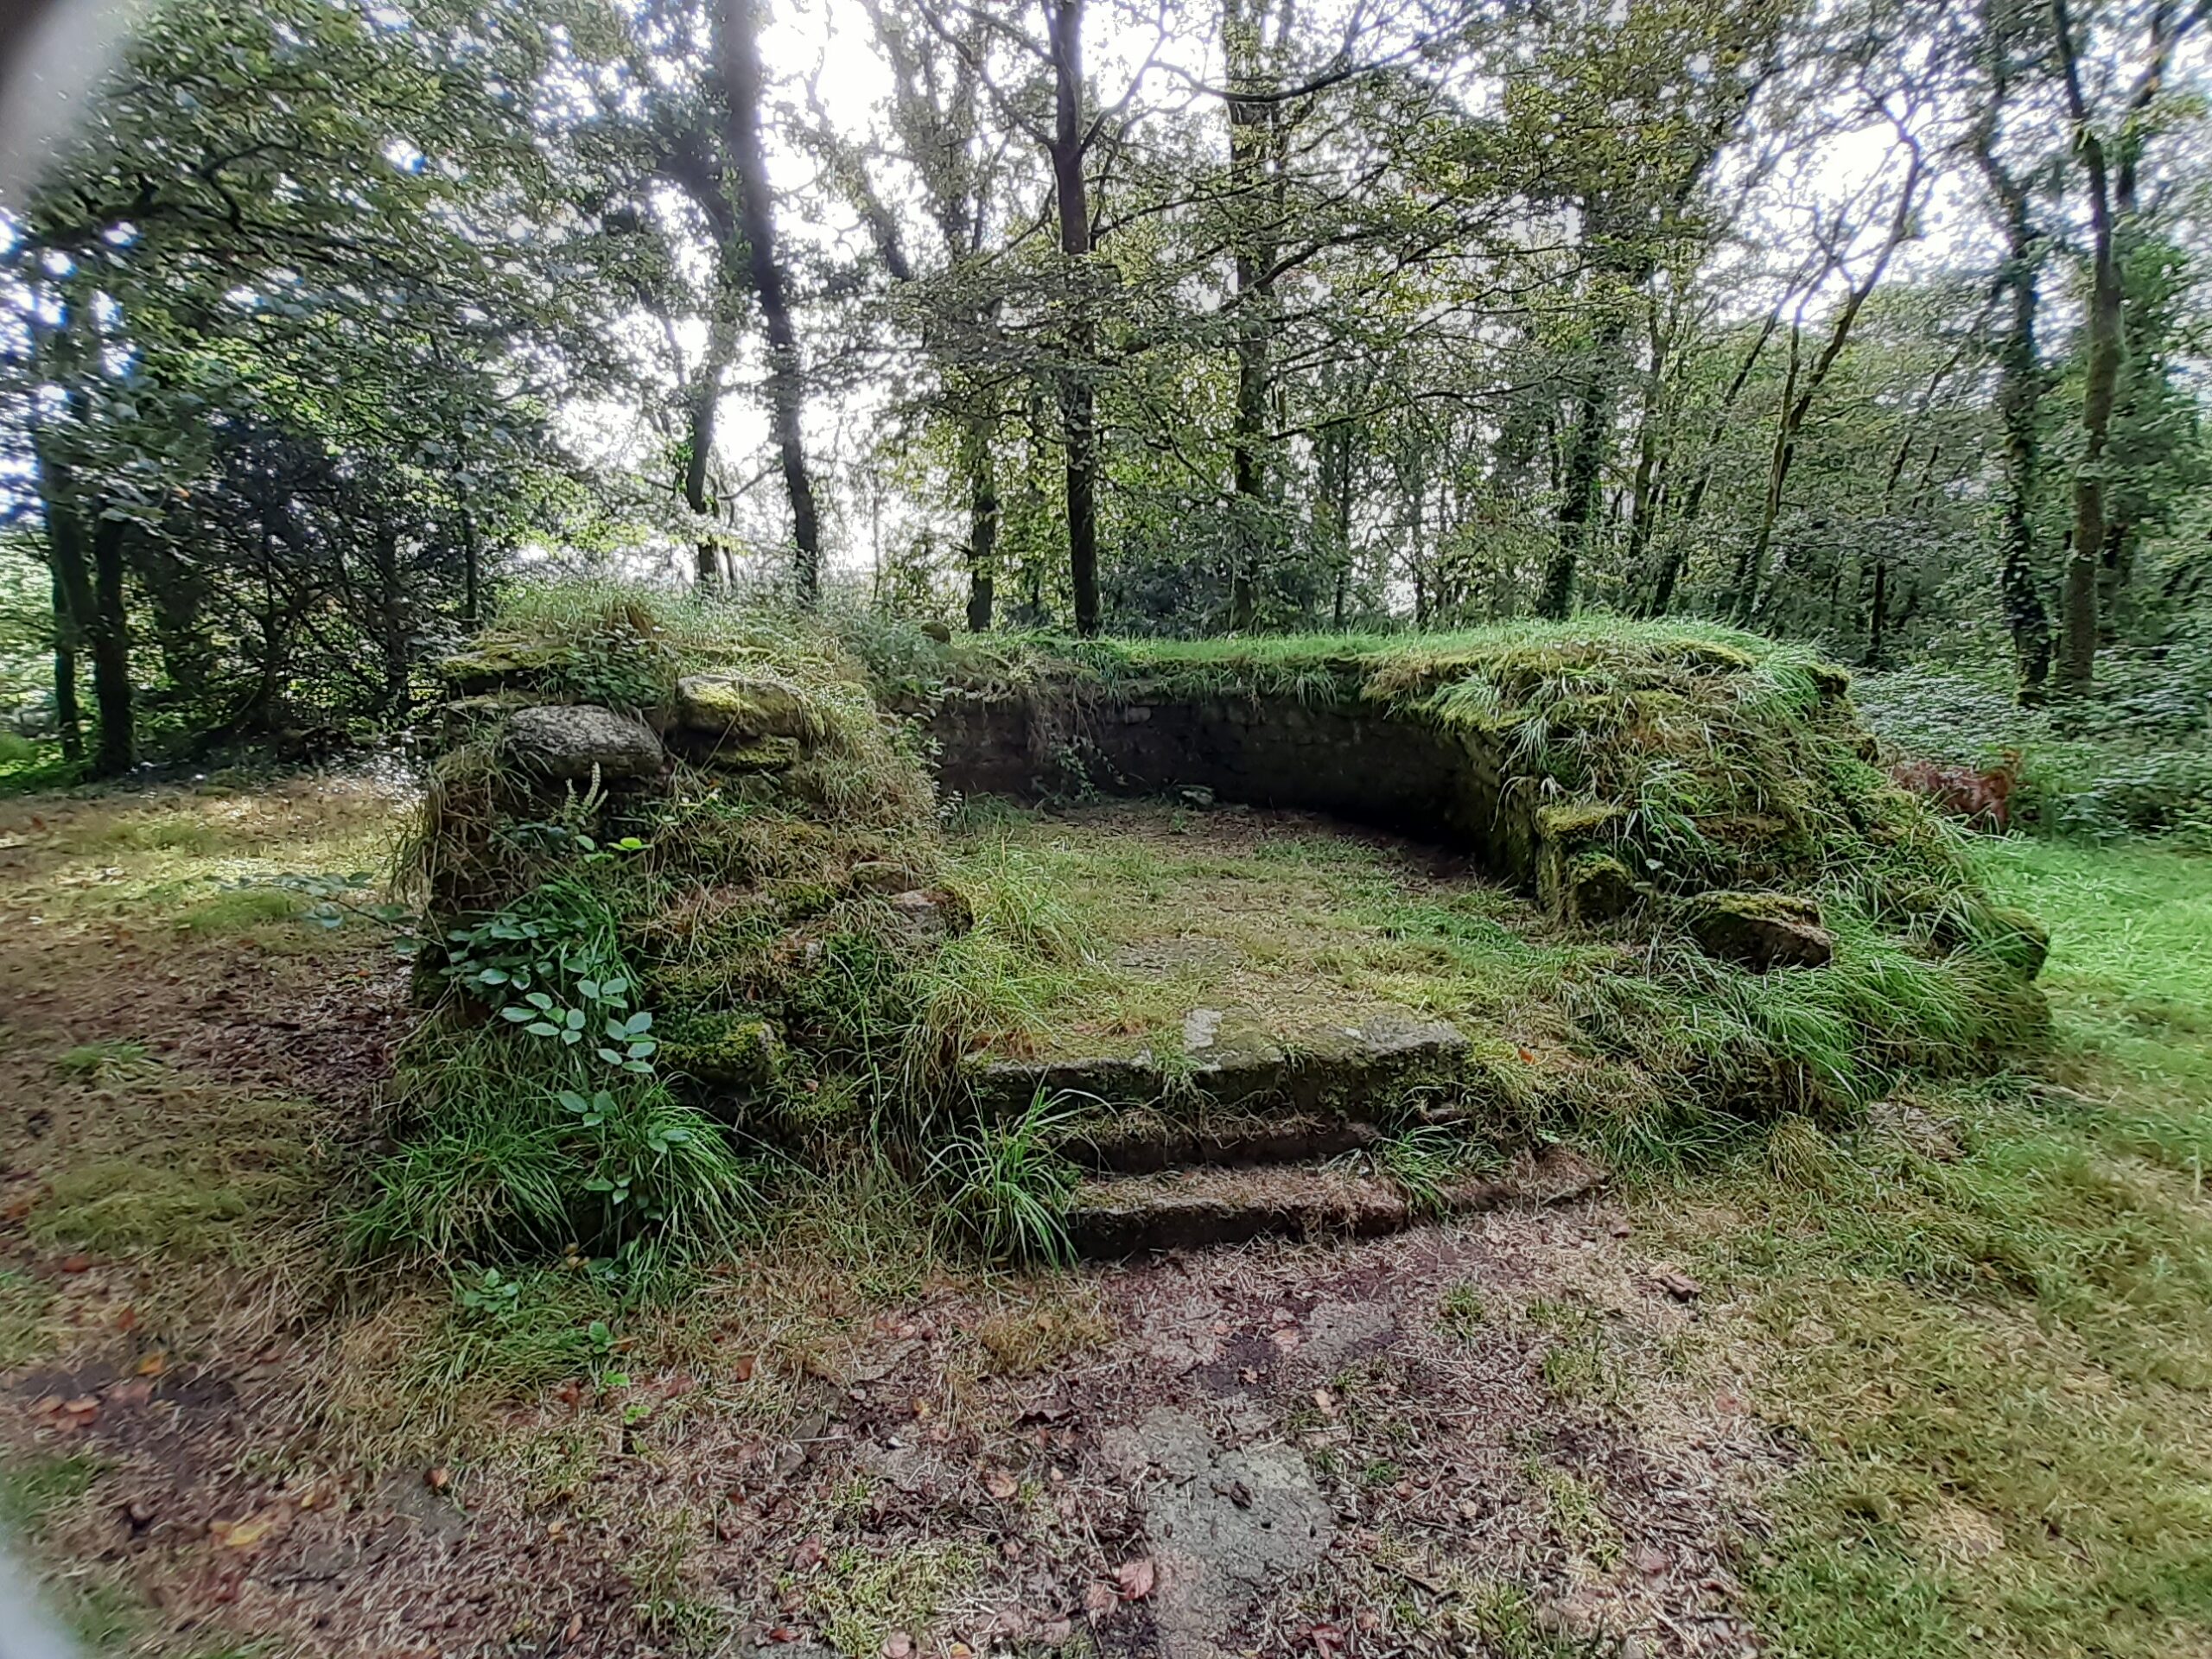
1117 1216
1143 1142
1385 1060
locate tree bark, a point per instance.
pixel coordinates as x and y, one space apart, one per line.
391 617
983 523
472 572
742 82
90 580
2100 380
702 416
69 718
1256 186
1078 405
2019 388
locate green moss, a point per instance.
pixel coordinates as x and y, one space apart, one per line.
733 1051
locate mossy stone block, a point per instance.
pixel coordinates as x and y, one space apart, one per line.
510 665
569 742
731 1051
1596 887
761 754
2004 931
1760 930
747 706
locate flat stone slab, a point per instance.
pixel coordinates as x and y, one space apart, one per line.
1229 1061
1143 1142
1222 1525
1190 1209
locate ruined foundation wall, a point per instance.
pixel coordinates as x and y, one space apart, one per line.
1370 764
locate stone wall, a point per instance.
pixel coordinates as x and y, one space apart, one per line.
1363 762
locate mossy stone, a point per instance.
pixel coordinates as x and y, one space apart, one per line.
731 1051
1598 888
761 754
569 742
746 706
511 664
1760 930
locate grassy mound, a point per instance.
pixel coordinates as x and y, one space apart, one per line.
688 874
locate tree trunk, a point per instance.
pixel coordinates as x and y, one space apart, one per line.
68 717
702 415
472 573
1751 564
1582 473
392 618
1670 565
2019 388
90 583
1255 185
742 82
1079 410
1877 614
983 523
1752 573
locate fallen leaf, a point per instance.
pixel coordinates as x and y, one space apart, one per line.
574 1628
1680 1286
154 1363
783 1633
1326 1638
438 1479
1527 1056
1000 1484
1247 1375
1134 1579
131 1394
808 1555
244 1535
898 1645
1287 1339
742 1368
1326 1402
1099 1599
76 1264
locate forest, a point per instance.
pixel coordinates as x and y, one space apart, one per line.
886 828
1871 325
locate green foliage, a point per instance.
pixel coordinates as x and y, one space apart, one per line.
2138 759
1006 1190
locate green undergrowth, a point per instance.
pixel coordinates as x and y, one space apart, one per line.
2135 759
1987 1311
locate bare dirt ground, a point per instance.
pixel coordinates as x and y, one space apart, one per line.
1523 1435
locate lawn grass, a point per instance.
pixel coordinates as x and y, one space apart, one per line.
1986 1317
